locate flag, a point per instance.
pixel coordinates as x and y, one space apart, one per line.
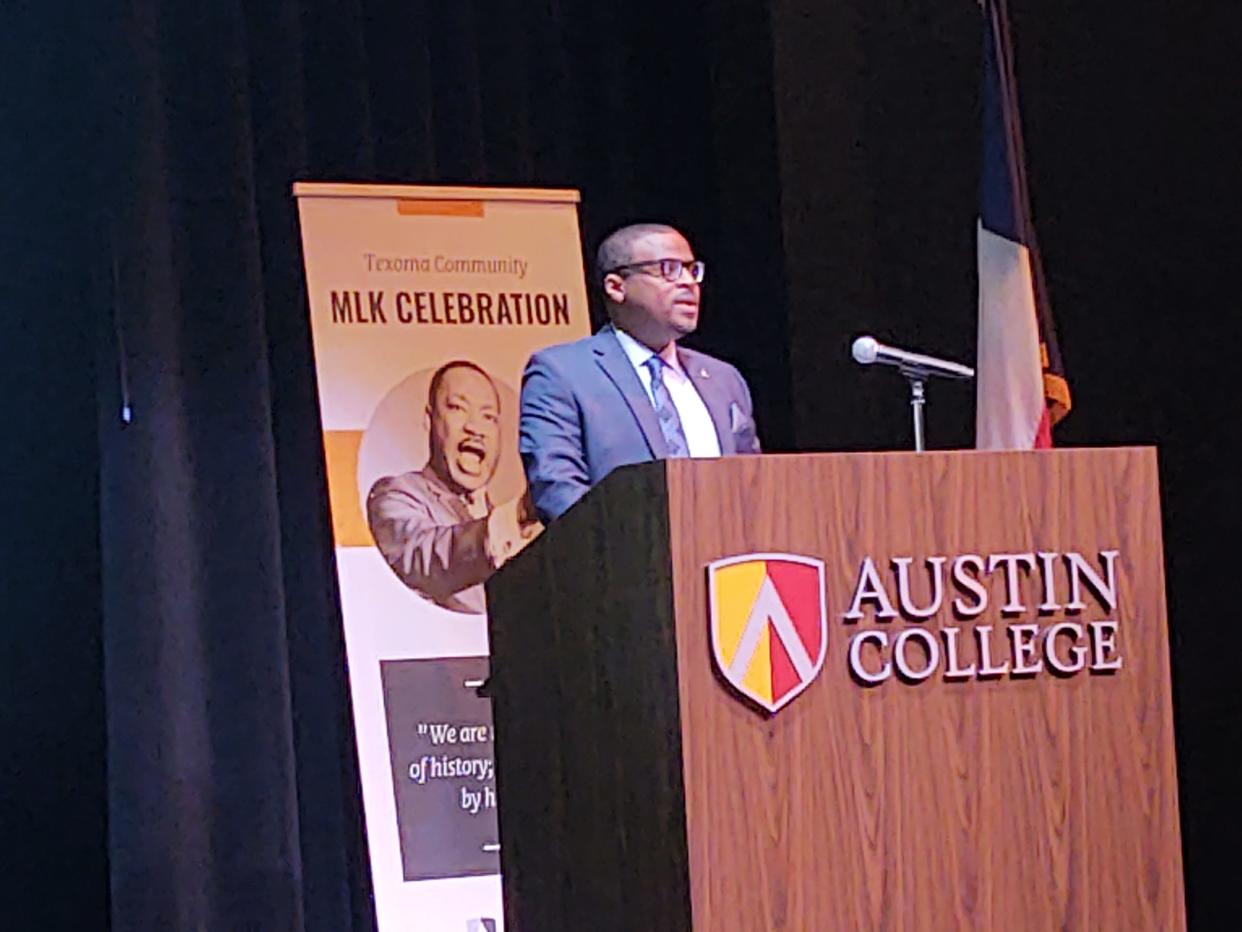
1021 385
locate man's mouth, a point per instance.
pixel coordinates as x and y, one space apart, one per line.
470 456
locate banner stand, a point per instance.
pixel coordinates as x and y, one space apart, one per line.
425 304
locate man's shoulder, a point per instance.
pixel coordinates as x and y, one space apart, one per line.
571 361
416 482
570 351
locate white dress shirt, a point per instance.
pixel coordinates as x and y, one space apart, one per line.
696 421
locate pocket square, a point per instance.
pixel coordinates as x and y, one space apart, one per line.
742 426
739 420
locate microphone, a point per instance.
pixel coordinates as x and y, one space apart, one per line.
868 350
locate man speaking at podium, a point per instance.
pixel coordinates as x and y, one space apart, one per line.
630 394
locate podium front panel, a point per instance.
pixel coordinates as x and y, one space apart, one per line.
1003 762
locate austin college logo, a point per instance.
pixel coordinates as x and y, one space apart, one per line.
769 624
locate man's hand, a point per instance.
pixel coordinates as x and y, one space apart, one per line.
510 527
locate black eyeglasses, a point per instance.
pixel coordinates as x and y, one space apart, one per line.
670 269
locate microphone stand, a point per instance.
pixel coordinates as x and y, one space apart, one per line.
918 398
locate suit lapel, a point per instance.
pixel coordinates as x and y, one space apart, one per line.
616 365
450 500
715 396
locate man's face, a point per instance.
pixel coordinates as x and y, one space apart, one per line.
652 309
465 429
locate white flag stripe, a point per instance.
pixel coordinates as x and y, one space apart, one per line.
1010 399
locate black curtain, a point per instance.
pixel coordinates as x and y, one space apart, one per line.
179 701
53 789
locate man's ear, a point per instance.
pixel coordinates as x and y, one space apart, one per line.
427 419
614 287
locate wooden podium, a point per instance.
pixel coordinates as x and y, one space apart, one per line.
639 789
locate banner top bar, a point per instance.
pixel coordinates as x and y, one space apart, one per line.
435 192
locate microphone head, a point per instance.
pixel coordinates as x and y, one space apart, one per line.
865 350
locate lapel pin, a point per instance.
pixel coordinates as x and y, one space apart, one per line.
703 374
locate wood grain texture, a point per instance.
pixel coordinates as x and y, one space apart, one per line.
1011 803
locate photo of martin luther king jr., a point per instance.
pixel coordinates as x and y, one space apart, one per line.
437 527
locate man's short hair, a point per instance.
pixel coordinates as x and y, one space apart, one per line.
438 377
618 247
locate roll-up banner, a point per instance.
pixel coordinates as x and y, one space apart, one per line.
425 304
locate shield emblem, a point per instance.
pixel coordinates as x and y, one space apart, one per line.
769 625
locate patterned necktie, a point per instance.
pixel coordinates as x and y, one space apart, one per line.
666 412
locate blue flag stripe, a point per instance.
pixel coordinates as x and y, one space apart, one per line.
1001 189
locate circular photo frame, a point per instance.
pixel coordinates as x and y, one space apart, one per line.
396 439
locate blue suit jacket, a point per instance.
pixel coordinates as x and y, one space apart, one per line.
585 412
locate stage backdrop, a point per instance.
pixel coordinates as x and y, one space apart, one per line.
425 304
